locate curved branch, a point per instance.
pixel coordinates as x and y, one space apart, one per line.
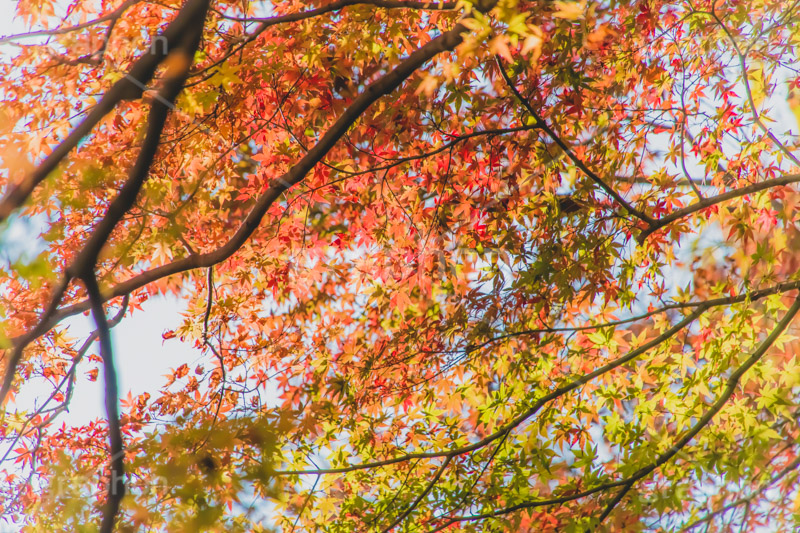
266 23
514 423
575 159
113 16
341 4
129 87
424 155
746 82
731 383
713 200
116 482
699 308
615 501
83 265
68 380
126 287
747 499
43 325
385 85
421 497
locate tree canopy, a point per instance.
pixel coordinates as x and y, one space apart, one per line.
506 265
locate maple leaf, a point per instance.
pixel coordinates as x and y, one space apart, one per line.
440 265
569 10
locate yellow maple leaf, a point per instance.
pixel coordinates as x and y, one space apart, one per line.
758 85
532 45
569 10
428 85
499 46
794 105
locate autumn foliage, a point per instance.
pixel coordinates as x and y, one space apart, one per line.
503 266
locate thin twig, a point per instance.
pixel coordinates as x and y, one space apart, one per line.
113 16
432 483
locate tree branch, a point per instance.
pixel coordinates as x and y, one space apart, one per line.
69 380
514 423
421 497
266 23
116 483
746 82
114 15
613 503
540 122
43 325
129 87
341 4
747 499
731 383
708 202
385 85
83 265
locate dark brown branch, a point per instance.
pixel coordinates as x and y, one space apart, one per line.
468 492
43 325
129 87
69 380
116 482
136 282
526 505
385 85
206 342
209 302
390 504
341 4
699 307
126 198
266 23
708 202
446 146
83 265
614 502
540 122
